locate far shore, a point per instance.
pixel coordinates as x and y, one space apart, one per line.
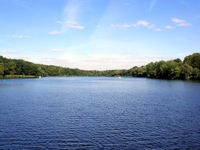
32 77
18 76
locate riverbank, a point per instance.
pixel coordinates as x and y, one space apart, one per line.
188 69
18 76
31 77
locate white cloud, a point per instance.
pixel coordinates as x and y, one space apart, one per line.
15 36
71 24
176 20
151 26
7 53
158 29
71 12
14 55
144 23
126 26
120 26
169 27
140 23
99 61
184 24
66 25
54 32
180 22
91 61
56 50
71 57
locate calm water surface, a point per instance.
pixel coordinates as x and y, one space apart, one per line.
99 113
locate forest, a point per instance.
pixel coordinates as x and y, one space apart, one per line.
188 69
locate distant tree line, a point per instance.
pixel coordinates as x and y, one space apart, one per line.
20 67
189 69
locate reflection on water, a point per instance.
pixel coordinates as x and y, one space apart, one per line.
99 112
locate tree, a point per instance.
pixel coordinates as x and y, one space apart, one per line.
195 74
1 69
172 69
9 67
185 72
178 60
193 60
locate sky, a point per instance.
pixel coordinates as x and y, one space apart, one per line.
99 34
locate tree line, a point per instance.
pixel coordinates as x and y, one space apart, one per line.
188 69
14 67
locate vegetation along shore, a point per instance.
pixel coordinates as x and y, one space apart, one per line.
188 69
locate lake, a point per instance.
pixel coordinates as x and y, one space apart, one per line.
99 113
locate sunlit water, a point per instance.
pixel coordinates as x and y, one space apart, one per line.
99 113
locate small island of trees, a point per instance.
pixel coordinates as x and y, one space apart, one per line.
188 69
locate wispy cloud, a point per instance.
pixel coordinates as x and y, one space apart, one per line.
140 23
56 50
152 4
184 24
12 54
180 22
169 27
70 24
70 17
101 61
158 29
8 52
176 20
15 36
54 32
72 10
36 49
121 25
144 23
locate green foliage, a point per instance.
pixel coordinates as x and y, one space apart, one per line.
173 69
1 70
20 68
193 60
137 71
189 69
1 67
178 60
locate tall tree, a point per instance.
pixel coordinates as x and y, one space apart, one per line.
193 60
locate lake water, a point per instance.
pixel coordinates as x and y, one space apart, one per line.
99 113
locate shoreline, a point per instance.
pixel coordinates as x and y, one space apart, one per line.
34 77
18 77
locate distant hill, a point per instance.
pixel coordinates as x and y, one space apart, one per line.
189 69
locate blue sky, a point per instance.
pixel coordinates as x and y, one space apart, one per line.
99 34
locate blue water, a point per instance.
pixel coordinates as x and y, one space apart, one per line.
99 113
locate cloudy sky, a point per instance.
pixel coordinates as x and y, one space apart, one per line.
99 34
